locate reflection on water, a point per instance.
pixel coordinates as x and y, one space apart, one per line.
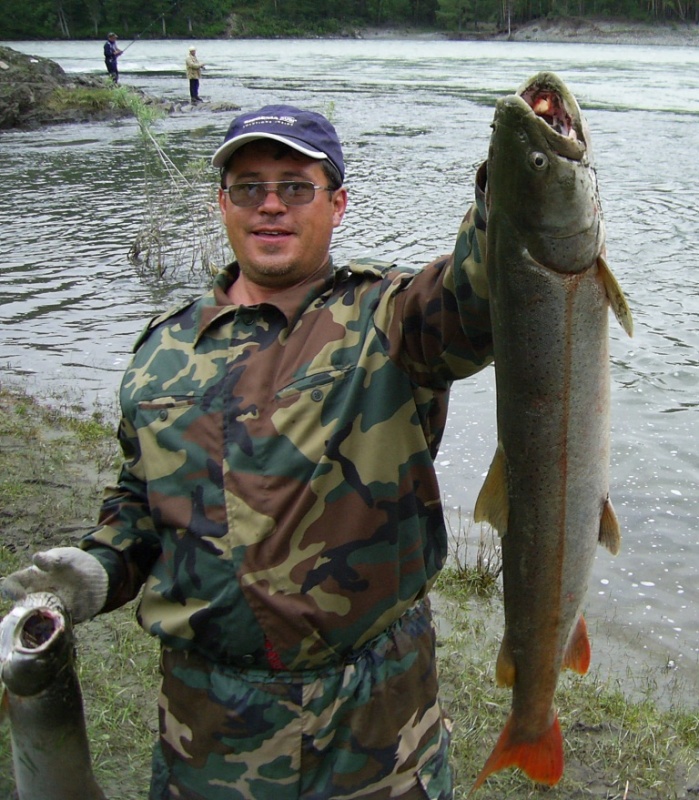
415 119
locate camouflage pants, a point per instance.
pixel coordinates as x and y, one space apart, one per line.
371 728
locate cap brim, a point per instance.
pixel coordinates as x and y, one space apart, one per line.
221 156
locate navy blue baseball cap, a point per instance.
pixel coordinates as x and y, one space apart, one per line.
309 133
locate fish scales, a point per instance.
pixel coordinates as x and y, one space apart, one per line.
547 490
43 700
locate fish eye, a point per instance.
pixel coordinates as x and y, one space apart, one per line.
538 160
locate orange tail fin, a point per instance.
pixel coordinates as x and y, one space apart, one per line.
541 760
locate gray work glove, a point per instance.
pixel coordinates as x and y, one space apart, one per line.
72 574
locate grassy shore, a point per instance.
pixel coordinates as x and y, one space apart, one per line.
54 462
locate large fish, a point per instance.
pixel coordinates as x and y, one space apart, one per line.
42 696
547 490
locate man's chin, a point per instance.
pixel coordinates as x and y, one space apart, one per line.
273 271
269 273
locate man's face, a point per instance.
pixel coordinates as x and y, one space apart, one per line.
278 246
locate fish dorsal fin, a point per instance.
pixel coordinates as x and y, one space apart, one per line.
609 531
578 652
616 297
493 505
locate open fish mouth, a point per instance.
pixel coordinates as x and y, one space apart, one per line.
30 630
550 106
550 114
38 628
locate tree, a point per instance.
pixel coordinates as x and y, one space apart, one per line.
457 14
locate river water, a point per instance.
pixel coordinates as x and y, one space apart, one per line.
414 117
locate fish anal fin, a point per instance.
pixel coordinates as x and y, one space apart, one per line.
616 297
578 652
505 665
493 505
609 531
540 759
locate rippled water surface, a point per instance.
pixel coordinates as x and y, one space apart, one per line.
414 117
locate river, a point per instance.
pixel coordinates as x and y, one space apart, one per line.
414 117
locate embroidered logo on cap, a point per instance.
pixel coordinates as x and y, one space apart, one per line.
269 119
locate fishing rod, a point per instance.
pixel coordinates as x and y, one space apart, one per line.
150 25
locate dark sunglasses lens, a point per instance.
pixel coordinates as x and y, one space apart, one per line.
296 193
247 195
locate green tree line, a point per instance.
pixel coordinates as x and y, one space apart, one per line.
84 19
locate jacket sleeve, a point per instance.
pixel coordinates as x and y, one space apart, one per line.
125 540
437 321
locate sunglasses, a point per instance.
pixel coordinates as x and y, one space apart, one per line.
291 193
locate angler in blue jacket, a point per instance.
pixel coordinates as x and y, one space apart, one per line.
111 53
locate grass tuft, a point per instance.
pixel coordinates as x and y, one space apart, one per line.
474 574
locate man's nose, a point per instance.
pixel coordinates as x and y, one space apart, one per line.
272 201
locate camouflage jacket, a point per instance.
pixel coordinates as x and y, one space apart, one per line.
278 490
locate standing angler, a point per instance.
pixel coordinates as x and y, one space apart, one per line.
111 54
547 489
194 68
278 503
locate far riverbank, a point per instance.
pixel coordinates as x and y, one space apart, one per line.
562 29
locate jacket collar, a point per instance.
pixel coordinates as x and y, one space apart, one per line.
291 303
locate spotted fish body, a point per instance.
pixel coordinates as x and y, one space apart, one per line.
547 490
43 700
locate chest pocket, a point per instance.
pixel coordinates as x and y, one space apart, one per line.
309 411
317 384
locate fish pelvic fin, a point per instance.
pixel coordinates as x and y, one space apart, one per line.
578 653
541 759
493 504
616 297
609 531
505 669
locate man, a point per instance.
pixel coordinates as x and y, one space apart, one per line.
111 53
194 68
278 501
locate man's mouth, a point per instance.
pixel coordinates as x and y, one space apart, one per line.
265 232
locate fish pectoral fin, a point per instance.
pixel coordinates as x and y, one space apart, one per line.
541 759
609 531
493 504
505 665
4 705
578 652
616 297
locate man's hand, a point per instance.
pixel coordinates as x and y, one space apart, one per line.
72 574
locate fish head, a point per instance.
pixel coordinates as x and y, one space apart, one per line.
541 177
36 640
